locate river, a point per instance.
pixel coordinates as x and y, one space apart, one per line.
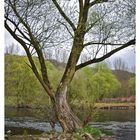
121 123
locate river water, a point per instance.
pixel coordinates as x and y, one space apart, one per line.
121 123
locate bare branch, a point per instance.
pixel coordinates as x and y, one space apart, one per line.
102 43
24 46
93 24
34 69
24 36
37 47
66 28
97 2
64 15
96 60
28 65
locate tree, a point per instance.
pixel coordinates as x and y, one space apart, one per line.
34 24
103 81
19 81
92 84
11 49
131 84
119 64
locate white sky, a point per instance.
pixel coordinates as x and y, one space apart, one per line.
127 55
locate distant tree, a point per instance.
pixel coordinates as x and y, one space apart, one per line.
102 81
119 64
123 77
11 49
103 26
132 83
18 82
92 84
133 69
48 54
64 56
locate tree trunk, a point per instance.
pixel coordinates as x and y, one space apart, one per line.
68 120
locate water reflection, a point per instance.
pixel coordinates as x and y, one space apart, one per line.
11 112
97 116
114 115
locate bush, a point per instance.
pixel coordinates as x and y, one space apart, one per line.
94 132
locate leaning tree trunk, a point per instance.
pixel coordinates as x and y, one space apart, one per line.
67 119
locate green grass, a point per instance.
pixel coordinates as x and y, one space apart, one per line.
94 132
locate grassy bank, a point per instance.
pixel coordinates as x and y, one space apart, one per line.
109 105
86 133
51 137
85 106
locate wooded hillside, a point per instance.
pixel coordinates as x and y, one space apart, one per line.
89 85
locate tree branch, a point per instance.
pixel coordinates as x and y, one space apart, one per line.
93 24
96 60
66 28
97 2
25 37
85 11
33 66
102 43
64 15
81 8
37 47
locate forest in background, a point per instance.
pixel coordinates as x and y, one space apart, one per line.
92 84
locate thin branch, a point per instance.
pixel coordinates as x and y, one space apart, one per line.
34 68
28 65
24 46
66 28
36 45
25 37
97 2
101 43
96 60
64 15
93 24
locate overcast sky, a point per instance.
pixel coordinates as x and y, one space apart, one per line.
127 55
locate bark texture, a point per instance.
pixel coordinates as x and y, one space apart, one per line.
66 117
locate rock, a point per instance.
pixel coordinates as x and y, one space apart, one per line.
9 132
61 137
68 135
6 137
103 135
106 138
87 136
44 139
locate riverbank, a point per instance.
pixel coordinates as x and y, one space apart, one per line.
119 123
112 105
121 106
85 133
85 136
